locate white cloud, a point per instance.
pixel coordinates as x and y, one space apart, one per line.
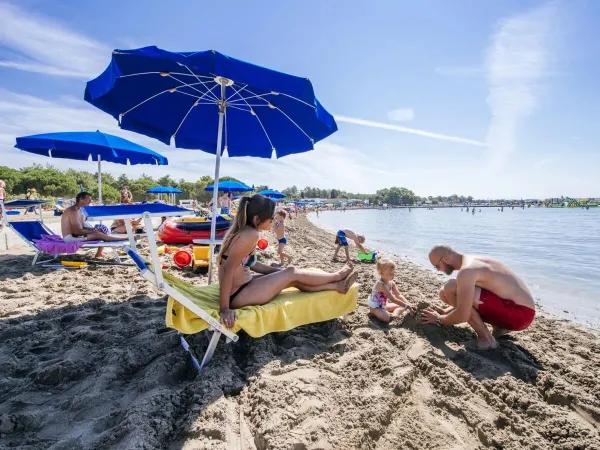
44 46
401 115
401 129
517 61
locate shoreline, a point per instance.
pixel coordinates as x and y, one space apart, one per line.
87 362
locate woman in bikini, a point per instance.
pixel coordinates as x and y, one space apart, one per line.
237 260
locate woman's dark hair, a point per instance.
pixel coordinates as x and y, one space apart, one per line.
256 207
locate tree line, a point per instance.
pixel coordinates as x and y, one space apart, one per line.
51 182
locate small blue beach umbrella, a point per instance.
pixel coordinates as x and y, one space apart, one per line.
272 194
229 186
83 145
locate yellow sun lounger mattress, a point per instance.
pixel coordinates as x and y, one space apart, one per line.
288 310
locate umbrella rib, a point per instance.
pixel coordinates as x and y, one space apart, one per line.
259 96
208 91
184 117
260 122
297 126
147 100
151 97
236 92
238 108
298 100
198 78
281 111
170 73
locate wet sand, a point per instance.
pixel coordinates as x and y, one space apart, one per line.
86 363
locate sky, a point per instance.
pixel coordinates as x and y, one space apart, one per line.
489 99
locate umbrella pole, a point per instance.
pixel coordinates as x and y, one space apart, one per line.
213 221
99 180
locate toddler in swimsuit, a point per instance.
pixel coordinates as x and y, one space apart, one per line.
385 289
279 229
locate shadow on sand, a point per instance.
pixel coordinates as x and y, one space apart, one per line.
110 375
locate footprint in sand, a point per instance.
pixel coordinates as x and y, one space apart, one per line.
417 349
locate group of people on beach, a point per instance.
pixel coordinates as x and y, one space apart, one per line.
485 291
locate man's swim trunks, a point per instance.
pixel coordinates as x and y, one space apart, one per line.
340 238
503 313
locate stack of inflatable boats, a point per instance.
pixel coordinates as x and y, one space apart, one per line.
185 230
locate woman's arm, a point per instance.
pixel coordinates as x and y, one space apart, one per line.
240 248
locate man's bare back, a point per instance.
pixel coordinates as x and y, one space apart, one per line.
497 278
71 222
485 291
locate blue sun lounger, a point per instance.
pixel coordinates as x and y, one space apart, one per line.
32 230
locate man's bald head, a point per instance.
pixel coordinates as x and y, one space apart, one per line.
443 258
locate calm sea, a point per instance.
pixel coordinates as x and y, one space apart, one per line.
555 251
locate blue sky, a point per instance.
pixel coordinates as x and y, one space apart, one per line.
490 99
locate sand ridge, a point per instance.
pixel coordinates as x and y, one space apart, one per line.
87 362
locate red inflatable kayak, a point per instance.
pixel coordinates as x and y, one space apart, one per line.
171 232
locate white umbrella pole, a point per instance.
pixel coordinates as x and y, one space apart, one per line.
99 180
213 221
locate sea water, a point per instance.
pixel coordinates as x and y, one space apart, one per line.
555 251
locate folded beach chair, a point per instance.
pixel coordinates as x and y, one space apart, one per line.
33 230
191 308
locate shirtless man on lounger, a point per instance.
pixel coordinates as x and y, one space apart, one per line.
485 291
73 226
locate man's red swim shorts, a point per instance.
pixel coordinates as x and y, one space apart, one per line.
503 313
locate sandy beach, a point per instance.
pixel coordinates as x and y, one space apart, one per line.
86 362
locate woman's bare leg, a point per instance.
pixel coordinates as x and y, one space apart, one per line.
342 286
262 289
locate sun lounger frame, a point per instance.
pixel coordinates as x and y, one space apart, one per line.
114 246
155 277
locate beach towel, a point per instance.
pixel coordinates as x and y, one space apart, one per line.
55 245
290 309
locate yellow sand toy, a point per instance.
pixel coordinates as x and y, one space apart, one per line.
78 264
167 249
200 257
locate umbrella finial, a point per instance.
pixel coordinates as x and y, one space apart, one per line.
223 81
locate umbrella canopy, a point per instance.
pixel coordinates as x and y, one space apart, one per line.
165 190
83 145
272 194
229 186
166 96
159 190
211 102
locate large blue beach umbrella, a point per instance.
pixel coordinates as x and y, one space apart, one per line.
83 145
211 102
229 186
272 194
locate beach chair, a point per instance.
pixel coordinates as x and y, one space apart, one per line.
32 230
192 309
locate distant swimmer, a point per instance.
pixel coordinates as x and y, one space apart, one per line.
484 291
